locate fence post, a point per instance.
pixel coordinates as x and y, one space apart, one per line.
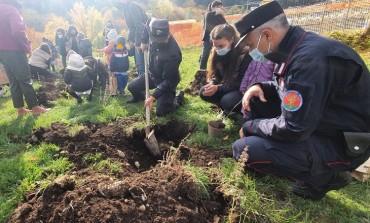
323 16
349 8
367 29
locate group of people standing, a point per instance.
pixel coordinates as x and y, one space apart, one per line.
304 99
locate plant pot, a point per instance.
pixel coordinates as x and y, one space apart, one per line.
216 128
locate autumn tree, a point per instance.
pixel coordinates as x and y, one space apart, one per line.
87 20
54 23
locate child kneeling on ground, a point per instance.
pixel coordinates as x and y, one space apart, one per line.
79 78
40 62
119 64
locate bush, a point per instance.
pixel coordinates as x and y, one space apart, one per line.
354 38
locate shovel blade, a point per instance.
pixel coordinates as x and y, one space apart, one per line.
152 144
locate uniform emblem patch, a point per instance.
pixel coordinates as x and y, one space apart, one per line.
292 101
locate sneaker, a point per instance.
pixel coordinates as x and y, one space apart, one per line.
222 114
180 98
79 99
38 110
133 100
310 192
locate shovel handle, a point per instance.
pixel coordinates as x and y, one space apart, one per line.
147 111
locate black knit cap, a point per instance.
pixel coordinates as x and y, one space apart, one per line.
159 30
258 17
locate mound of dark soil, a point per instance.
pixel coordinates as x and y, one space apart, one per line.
144 190
51 89
218 124
200 79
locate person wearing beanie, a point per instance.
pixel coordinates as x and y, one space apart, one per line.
119 64
40 62
14 47
214 17
60 42
79 78
164 60
311 124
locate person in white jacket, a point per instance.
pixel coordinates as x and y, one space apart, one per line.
40 62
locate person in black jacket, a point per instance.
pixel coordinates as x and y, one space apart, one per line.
319 120
136 19
214 17
79 78
164 60
119 64
84 45
72 41
99 68
60 42
228 65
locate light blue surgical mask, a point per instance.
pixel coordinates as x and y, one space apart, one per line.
257 55
223 51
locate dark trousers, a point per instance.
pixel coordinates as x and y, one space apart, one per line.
165 103
226 101
36 71
64 61
314 161
18 71
207 46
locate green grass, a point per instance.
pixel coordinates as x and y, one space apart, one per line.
254 199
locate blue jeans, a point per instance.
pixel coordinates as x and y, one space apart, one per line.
122 79
139 62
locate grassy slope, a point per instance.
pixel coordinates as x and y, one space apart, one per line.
22 166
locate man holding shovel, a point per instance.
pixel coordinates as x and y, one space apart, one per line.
164 60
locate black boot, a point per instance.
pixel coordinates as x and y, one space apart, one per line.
78 97
310 192
89 97
180 99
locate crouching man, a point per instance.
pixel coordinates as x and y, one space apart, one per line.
317 122
164 61
79 78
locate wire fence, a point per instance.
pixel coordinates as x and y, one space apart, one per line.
321 17
331 15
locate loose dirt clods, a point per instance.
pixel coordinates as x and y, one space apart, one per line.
143 190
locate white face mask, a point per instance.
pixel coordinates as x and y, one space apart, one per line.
217 9
223 51
257 55
60 36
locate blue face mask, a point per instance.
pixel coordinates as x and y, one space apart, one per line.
223 51
257 55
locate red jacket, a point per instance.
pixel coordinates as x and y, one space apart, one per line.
12 30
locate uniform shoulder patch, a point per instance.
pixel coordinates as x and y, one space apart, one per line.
292 101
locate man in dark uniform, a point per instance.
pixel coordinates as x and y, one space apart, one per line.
164 61
317 121
136 19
